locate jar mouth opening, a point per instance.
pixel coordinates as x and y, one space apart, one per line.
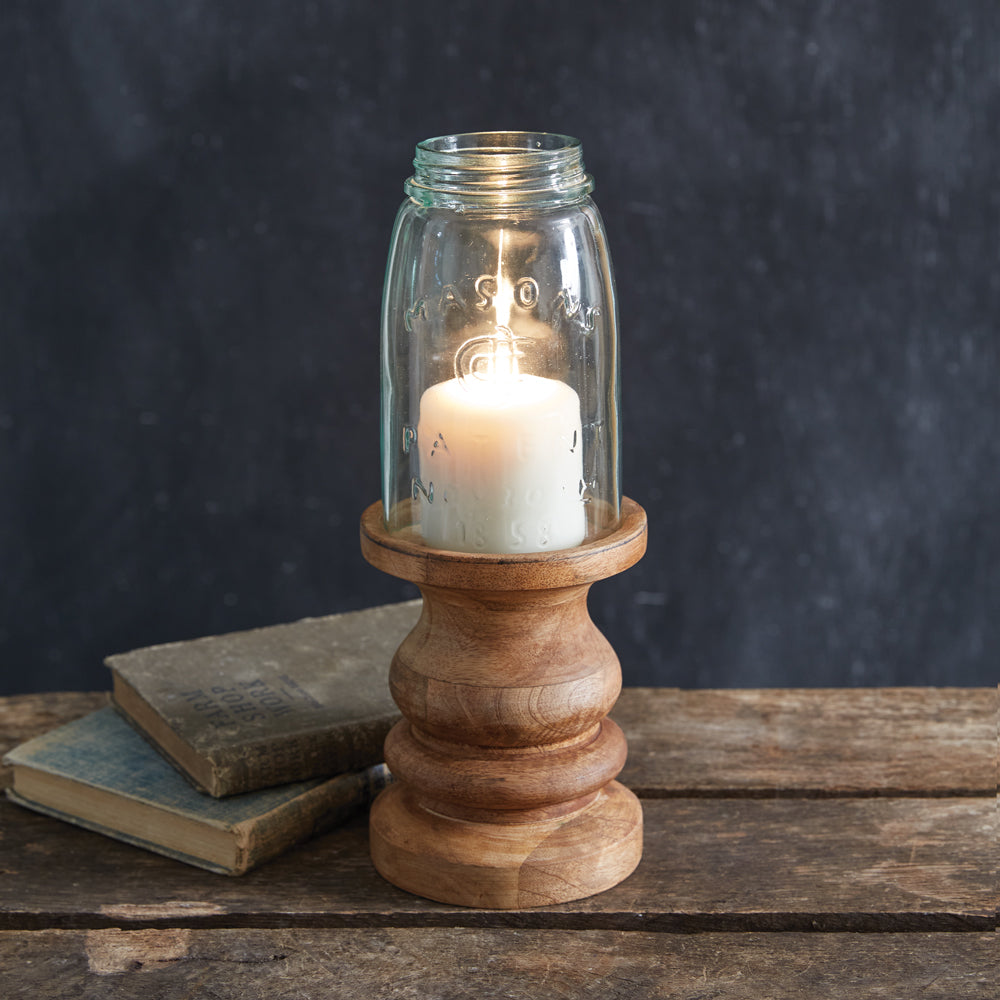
499 143
498 169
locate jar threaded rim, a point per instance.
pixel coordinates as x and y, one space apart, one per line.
499 168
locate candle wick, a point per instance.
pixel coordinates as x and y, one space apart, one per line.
507 350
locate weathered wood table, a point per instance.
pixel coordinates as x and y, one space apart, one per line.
835 843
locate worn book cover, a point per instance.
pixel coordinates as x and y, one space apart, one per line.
99 773
249 710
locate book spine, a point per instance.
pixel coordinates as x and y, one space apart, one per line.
318 810
293 758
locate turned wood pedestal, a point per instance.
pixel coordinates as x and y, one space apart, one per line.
505 760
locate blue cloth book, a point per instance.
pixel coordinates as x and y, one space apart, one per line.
99 773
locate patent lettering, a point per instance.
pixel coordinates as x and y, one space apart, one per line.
417 311
576 311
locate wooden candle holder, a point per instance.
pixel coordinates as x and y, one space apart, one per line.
505 760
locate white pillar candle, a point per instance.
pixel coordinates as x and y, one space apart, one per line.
501 465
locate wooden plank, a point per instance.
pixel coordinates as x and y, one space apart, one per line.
729 864
800 742
810 742
173 963
725 863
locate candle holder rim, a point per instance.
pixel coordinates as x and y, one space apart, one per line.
588 562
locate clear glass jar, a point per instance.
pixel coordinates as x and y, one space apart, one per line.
500 367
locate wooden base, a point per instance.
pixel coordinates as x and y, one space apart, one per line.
506 865
505 758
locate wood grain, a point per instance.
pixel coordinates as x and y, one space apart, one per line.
778 824
473 963
594 560
504 759
803 743
507 865
808 742
732 864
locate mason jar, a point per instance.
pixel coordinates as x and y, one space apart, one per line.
499 354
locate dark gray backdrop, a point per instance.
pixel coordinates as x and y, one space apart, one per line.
802 201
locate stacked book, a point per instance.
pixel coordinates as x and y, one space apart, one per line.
224 751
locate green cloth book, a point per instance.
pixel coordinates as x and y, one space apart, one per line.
99 773
249 710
